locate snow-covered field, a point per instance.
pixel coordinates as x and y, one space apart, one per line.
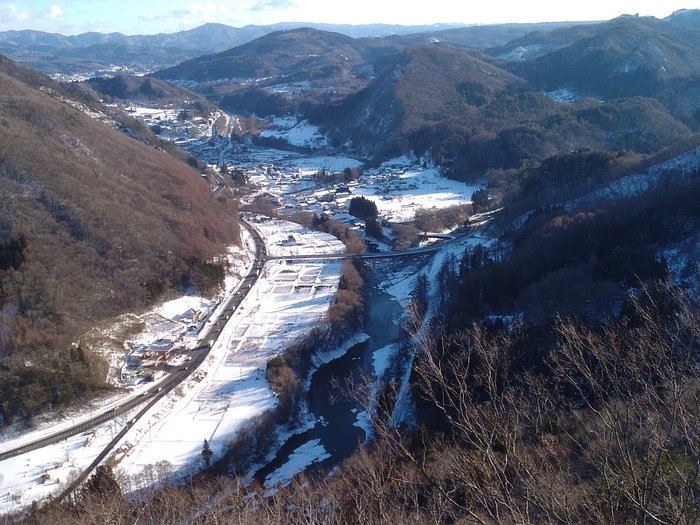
296 132
399 187
310 165
563 95
406 188
38 474
230 387
169 124
290 298
521 53
225 392
284 238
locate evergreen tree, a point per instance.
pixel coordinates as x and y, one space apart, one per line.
350 174
363 208
207 453
374 229
480 200
103 482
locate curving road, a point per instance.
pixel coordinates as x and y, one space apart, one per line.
176 377
155 394
179 376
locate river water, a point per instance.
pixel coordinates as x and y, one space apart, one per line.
331 405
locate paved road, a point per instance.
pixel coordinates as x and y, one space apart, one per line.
176 377
155 394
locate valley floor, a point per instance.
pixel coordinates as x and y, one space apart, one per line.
290 298
226 391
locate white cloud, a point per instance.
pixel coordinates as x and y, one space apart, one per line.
193 13
54 11
239 13
13 17
263 5
10 13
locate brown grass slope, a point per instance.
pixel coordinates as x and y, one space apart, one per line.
92 223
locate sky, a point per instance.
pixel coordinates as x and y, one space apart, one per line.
167 16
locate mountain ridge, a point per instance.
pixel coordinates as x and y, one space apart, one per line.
626 56
53 53
90 235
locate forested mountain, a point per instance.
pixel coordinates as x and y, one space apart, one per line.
285 72
420 87
549 372
139 88
626 59
629 83
53 53
628 56
688 18
538 43
296 54
84 236
471 115
481 36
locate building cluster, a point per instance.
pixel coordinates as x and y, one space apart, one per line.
148 360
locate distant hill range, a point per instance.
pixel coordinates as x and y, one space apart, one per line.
628 83
295 54
84 54
471 115
475 97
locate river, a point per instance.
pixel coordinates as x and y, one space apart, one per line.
333 408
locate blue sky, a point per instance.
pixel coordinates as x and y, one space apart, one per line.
156 16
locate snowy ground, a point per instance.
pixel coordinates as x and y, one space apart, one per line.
399 189
285 238
563 95
304 456
230 387
312 451
310 165
33 476
172 127
37 474
288 300
296 132
522 53
227 390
